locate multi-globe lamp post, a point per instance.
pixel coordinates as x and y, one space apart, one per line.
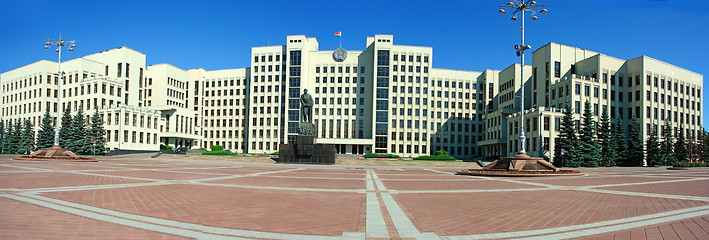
59 44
521 7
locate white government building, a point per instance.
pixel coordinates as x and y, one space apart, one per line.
385 99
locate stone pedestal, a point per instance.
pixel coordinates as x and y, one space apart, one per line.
305 150
55 153
520 162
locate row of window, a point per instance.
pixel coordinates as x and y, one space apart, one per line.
270 58
339 69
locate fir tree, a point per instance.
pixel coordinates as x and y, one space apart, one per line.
567 141
589 154
667 156
681 146
16 134
652 150
45 135
605 139
693 149
98 133
2 136
705 146
26 138
7 142
620 142
80 142
635 144
65 132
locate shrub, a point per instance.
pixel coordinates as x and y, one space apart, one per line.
686 164
165 147
218 150
380 155
441 155
274 154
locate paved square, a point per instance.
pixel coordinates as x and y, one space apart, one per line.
136 197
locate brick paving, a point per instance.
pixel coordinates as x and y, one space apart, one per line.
136 197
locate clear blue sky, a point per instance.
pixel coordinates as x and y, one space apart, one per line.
465 35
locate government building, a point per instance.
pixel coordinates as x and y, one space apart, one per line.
386 98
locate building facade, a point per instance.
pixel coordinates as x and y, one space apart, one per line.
386 98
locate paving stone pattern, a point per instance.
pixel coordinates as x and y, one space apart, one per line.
136 197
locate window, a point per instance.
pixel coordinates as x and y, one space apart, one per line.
557 69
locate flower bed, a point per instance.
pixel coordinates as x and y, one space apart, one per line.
504 173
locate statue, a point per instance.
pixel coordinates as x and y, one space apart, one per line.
306 107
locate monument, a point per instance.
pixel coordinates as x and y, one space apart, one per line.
305 150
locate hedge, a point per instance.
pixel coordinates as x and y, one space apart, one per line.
379 155
219 150
441 155
690 164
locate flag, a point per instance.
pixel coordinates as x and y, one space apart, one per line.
338 34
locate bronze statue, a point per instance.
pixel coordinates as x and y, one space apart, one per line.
306 106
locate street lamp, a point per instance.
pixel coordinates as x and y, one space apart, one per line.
521 7
59 44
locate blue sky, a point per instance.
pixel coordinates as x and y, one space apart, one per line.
465 35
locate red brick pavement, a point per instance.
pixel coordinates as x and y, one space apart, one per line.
20 220
296 182
474 213
56 179
250 209
692 228
286 208
688 188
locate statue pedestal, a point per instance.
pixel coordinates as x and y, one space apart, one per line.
520 162
305 150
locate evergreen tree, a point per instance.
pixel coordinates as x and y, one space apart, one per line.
652 150
16 134
45 135
65 133
567 141
705 146
2 136
635 144
667 156
7 142
620 142
681 146
589 154
693 149
97 133
80 142
605 139
27 138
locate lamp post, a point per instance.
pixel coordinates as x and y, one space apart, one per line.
59 44
521 7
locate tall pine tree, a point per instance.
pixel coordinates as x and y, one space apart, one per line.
589 154
567 141
16 136
65 132
98 133
635 144
7 143
2 136
80 142
605 139
27 138
705 146
667 156
45 134
681 153
653 154
620 142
